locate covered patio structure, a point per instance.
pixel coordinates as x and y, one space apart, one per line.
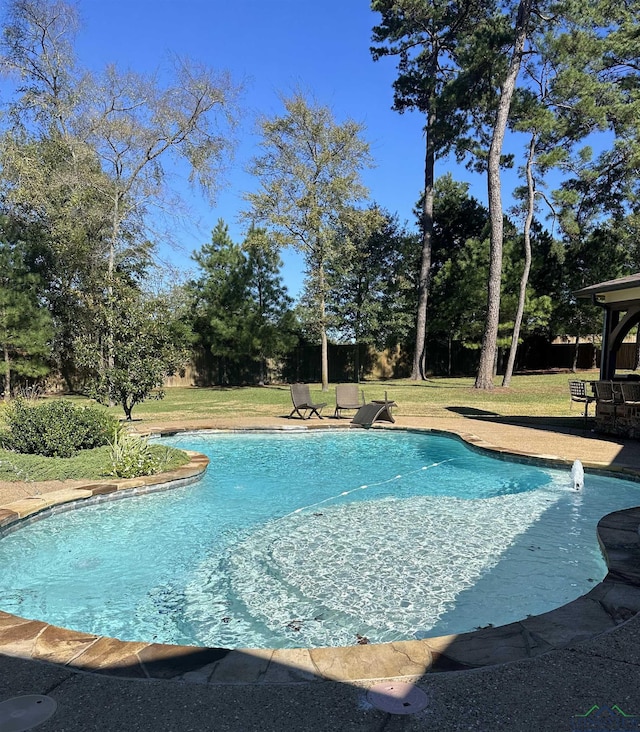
620 300
619 411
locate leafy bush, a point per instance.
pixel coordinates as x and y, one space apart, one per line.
56 428
133 456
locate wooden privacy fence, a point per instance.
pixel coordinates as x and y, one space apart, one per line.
303 363
345 361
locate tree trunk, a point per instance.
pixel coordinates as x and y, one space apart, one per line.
262 370
323 334
574 365
357 334
67 373
111 265
325 359
522 296
7 375
419 356
484 379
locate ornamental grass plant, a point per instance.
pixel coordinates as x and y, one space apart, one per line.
131 456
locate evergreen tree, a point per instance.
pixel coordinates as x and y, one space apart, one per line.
272 322
25 324
240 311
459 267
372 281
220 308
309 177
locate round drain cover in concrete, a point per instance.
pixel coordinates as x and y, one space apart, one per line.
397 698
25 712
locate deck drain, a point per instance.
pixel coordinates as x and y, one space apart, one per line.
397 698
25 712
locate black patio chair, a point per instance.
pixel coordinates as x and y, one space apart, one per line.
630 392
578 392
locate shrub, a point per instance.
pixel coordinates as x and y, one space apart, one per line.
99 426
56 428
133 456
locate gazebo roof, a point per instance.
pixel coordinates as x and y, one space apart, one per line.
620 301
624 290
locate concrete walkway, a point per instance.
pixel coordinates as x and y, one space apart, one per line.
552 692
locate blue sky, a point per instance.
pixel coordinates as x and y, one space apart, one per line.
272 47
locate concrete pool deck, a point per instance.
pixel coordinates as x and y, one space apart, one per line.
588 655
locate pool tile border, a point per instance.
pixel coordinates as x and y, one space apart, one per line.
610 603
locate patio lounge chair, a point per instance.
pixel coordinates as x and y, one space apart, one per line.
347 397
301 398
375 411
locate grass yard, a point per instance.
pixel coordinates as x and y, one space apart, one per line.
539 397
535 395
87 464
531 395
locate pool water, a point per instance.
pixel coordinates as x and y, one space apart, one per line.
317 539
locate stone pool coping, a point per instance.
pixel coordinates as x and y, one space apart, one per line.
609 604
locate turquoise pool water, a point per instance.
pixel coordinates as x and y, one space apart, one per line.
314 539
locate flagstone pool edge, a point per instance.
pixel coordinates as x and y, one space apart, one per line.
609 604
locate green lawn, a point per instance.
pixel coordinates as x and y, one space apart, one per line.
531 396
87 464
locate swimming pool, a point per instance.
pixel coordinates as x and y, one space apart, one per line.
328 538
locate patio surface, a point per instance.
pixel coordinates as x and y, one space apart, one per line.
566 678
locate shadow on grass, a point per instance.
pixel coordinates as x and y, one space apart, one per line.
472 412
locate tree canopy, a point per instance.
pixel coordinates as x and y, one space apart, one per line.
87 199
309 176
239 309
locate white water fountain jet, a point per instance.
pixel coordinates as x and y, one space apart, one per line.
577 475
